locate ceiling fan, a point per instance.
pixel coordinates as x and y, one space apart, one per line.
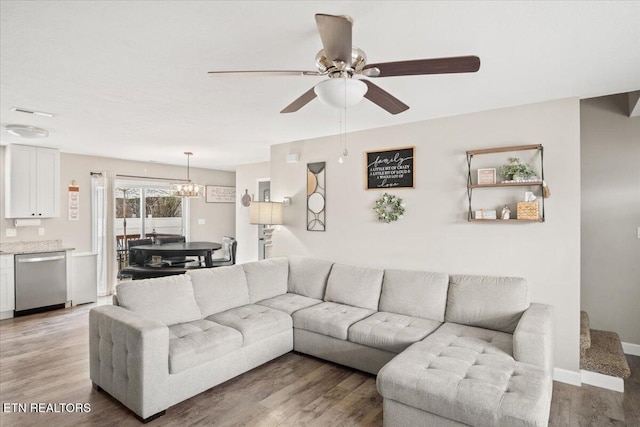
339 59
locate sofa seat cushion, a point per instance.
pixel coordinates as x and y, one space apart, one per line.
255 322
329 318
390 331
468 375
289 303
193 343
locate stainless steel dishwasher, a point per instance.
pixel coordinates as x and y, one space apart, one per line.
41 282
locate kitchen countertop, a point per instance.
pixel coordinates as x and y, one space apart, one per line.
15 248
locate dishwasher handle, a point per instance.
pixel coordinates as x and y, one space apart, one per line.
40 259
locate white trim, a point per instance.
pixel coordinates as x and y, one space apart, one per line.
632 349
604 381
568 377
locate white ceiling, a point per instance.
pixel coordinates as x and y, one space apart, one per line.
128 79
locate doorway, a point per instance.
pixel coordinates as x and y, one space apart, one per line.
264 195
146 209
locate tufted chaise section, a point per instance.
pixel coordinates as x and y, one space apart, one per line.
468 375
130 358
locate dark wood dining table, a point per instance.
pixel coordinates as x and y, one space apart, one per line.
204 249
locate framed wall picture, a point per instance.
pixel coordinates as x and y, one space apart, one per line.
486 176
220 194
392 168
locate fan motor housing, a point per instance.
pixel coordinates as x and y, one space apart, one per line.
336 68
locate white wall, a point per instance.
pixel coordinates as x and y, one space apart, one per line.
434 234
247 178
610 182
219 217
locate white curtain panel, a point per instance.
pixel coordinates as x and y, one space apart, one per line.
103 214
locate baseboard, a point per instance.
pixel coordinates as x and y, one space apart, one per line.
632 349
603 381
568 377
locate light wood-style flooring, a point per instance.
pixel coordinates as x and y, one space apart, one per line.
44 359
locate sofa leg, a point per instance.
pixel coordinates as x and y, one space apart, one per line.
96 387
151 418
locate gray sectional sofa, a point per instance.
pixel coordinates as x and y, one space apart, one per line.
447 350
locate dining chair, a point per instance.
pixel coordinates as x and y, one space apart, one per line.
174 259
229 249
137 257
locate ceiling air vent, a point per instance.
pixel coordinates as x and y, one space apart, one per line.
35 113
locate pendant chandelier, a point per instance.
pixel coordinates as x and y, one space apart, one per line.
187 189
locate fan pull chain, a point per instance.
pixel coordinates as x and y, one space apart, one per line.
343 135
340 141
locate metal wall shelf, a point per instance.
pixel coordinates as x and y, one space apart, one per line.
471 186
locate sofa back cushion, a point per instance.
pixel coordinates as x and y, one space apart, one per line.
489 302
356 286
415 293
219 289
266 278
169 299
308 276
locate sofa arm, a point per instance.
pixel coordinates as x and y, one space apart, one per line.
533 338
129 358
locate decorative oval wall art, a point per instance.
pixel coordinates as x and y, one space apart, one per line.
316 202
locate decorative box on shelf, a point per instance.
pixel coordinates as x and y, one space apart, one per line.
528 210
485 214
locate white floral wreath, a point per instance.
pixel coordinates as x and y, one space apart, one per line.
389 208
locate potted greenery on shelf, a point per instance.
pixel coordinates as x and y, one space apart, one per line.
517 171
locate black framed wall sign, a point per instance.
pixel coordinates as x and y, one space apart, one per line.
391 168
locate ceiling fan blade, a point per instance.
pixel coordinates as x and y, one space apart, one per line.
384 99
261 73
458 64
335 32
303 100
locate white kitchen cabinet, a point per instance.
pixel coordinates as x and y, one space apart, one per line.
32 182
7 287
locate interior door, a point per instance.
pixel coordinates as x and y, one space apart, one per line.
264 195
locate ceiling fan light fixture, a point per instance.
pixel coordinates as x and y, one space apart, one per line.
25 131
341 92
